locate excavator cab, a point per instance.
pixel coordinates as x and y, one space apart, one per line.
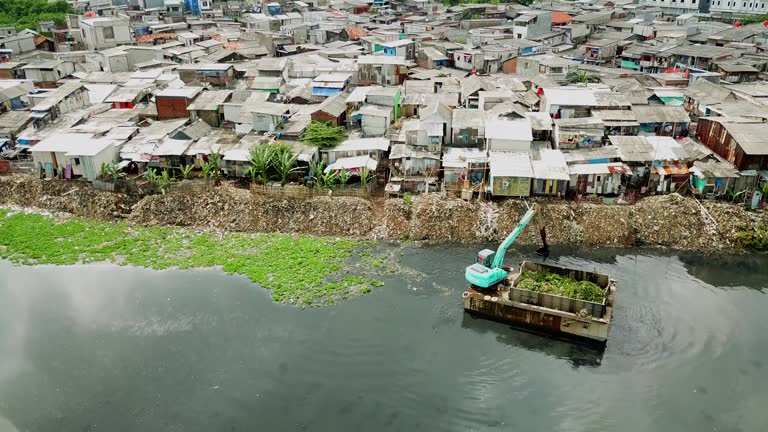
485 257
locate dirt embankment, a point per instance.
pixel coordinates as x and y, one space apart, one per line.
671 221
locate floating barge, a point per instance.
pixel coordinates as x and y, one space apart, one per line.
561 315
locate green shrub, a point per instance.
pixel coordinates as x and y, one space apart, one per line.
754 238
408 198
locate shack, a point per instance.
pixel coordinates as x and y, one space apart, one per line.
464 168
47 74
209 107
550 172
509 135
332 110
577 133
376 148
67 98
510 174
172 103
741 141
599 178
662 120
375 120
74 155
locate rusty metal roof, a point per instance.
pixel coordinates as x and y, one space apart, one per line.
670 168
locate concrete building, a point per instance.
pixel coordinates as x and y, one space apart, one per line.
18 43
74 155
104 32
532 23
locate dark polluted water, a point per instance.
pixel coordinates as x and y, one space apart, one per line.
105 348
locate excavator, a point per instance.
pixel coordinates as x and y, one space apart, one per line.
488 271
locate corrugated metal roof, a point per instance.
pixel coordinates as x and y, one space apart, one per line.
648 148
172 147
358 95
362 144
661 114
550 165
210 100
517 129
670 168
399 151
714 168
455 157
600 168
193 132
334 105
510 164
352 163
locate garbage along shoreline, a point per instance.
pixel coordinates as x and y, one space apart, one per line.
668 221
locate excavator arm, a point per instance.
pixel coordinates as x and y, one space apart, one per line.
530 215
487 271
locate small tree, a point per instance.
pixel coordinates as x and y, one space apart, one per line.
186 171
323 135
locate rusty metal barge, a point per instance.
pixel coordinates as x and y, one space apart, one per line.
553 313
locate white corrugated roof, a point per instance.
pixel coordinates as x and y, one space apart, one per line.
510 164
358 94
359 144
550 165
456 157
73 144
352 163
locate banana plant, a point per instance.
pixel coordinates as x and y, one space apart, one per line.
366 175
186 171
284 165
734 195
261 160
344 177
165 180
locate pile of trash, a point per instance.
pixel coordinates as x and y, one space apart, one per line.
397 219
730 219
672 221
444 219
323 216
77 198
231 209
224 208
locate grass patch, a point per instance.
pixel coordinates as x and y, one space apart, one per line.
298 269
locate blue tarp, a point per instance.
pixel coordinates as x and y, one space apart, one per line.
324 91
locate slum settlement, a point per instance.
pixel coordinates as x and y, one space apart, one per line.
595 100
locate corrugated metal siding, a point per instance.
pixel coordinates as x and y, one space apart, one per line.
170 108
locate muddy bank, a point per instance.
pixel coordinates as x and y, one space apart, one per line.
670 221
